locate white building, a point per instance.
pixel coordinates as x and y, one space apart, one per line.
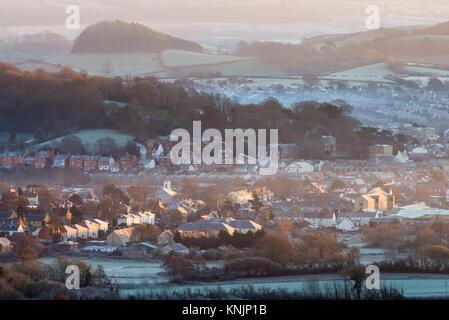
69 233
60 160
166 194
92 229
146 217
103 225
346 225
105 163
321 220
82 232
299 167
125 219
147 164
419 152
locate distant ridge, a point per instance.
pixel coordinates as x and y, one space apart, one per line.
33 65
120 36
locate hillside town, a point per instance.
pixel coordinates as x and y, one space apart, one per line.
153 155
333 196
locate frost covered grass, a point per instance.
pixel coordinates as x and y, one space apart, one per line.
310 291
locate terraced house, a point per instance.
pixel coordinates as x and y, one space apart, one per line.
43 159
61 161
105 163
13 159
76 162
212 227
90 162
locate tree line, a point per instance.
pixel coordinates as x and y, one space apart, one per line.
54 104
312 56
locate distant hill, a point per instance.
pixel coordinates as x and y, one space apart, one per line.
43 42
33 65
330 53
439 29
120 36
387 33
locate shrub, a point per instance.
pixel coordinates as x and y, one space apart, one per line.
7 292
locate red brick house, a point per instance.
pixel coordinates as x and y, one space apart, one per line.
13 159
43 159
115 167
76 162
128 162
61 160
90 162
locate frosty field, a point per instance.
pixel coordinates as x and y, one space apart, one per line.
126 271
147 277
132 63
178 58
90 137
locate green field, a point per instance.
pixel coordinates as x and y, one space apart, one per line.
374 72
343 39
437 59
433 71
248 67
181 58
133 63
90 137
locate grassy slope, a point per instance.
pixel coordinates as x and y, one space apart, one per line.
89 137
122 63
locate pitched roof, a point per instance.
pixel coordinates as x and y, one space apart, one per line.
127 232
69 229
318 215
5 242
79 227
238 224
178 247
36 217
7 214
99 221
61 157
90 224
206 225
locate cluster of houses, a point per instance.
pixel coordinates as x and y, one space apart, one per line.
342 221
88 229
242 196
10 223
202 228
46 159
212 227
388 187
152 152
129 219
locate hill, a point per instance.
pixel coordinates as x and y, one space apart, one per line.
33 65
43 42
51 105
121 64
120 36
331 53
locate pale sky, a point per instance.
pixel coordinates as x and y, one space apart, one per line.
286 14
